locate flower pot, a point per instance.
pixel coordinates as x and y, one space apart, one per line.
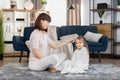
101 21
1 56
118 4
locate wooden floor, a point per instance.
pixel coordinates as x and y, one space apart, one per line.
24 60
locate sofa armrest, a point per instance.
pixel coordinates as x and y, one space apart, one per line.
104 41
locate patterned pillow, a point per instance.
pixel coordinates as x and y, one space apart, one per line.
93 37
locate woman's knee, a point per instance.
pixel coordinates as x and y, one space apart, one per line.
36 67
55 57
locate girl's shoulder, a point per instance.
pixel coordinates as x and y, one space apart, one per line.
83 48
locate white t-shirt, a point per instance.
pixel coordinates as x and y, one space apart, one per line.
39 39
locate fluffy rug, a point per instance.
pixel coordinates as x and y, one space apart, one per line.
96 72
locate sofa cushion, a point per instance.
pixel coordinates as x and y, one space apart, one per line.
94 37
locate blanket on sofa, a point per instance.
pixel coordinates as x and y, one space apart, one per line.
17 71
67 49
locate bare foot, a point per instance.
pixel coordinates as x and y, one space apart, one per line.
52 70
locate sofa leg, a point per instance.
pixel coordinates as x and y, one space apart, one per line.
93 55
28 56
99 57
20 56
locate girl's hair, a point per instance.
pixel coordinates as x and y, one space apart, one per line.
42 16
83 40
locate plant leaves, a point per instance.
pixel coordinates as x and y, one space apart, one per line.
101 12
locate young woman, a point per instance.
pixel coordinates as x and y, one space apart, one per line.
80 60
39 41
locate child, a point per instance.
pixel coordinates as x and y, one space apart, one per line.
80 60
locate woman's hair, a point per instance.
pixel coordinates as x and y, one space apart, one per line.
83 40
42 16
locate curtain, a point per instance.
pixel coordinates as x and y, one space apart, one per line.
73 15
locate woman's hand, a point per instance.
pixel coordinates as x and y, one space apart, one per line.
62 43
71 40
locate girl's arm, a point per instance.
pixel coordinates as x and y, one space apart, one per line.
37 53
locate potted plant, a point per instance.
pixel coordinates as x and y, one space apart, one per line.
1 38
44 3
100 13
118 3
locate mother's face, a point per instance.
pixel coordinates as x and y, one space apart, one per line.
44 24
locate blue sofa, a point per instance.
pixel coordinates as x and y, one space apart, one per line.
19 42
81 30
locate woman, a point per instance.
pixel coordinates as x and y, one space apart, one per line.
39 41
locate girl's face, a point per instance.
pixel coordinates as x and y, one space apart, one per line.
79 44
44 24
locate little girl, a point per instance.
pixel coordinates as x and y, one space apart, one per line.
80 60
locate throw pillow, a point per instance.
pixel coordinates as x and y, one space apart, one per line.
94 37
28 44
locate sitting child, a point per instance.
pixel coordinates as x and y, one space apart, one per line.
80 59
